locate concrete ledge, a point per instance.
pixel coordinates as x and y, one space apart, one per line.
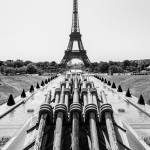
8 109
134 140
11 108
136 106
128 100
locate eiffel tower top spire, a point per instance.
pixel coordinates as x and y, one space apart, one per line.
75 17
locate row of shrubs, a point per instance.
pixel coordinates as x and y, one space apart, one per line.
11 100
119 89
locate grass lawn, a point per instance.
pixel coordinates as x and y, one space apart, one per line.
139 84
15 84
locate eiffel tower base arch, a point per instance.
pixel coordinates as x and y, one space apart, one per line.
75 54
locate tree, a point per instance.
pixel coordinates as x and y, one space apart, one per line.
31 68
103 67
40 71
126 63
115 69
46 65
1 63
93 67
9 63
53 63
10 71
43 65
40 65
111 63
21 70
27 62
18 63
134 63
131 68
2 69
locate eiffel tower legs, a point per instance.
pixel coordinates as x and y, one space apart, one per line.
72 54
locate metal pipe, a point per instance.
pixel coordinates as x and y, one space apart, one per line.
93 127
92 122
59 123
42 124
38 142
62 95
89 95
96 102
75 122
57 98
94 99
93 132
75 131
58 132
110 127
67 95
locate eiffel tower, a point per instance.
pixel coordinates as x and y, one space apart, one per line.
75 36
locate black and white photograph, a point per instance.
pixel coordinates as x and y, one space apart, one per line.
75 75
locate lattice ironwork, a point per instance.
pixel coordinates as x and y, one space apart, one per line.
75 36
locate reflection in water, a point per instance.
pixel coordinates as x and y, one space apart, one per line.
11 114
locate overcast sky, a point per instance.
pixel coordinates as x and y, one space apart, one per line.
38 30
